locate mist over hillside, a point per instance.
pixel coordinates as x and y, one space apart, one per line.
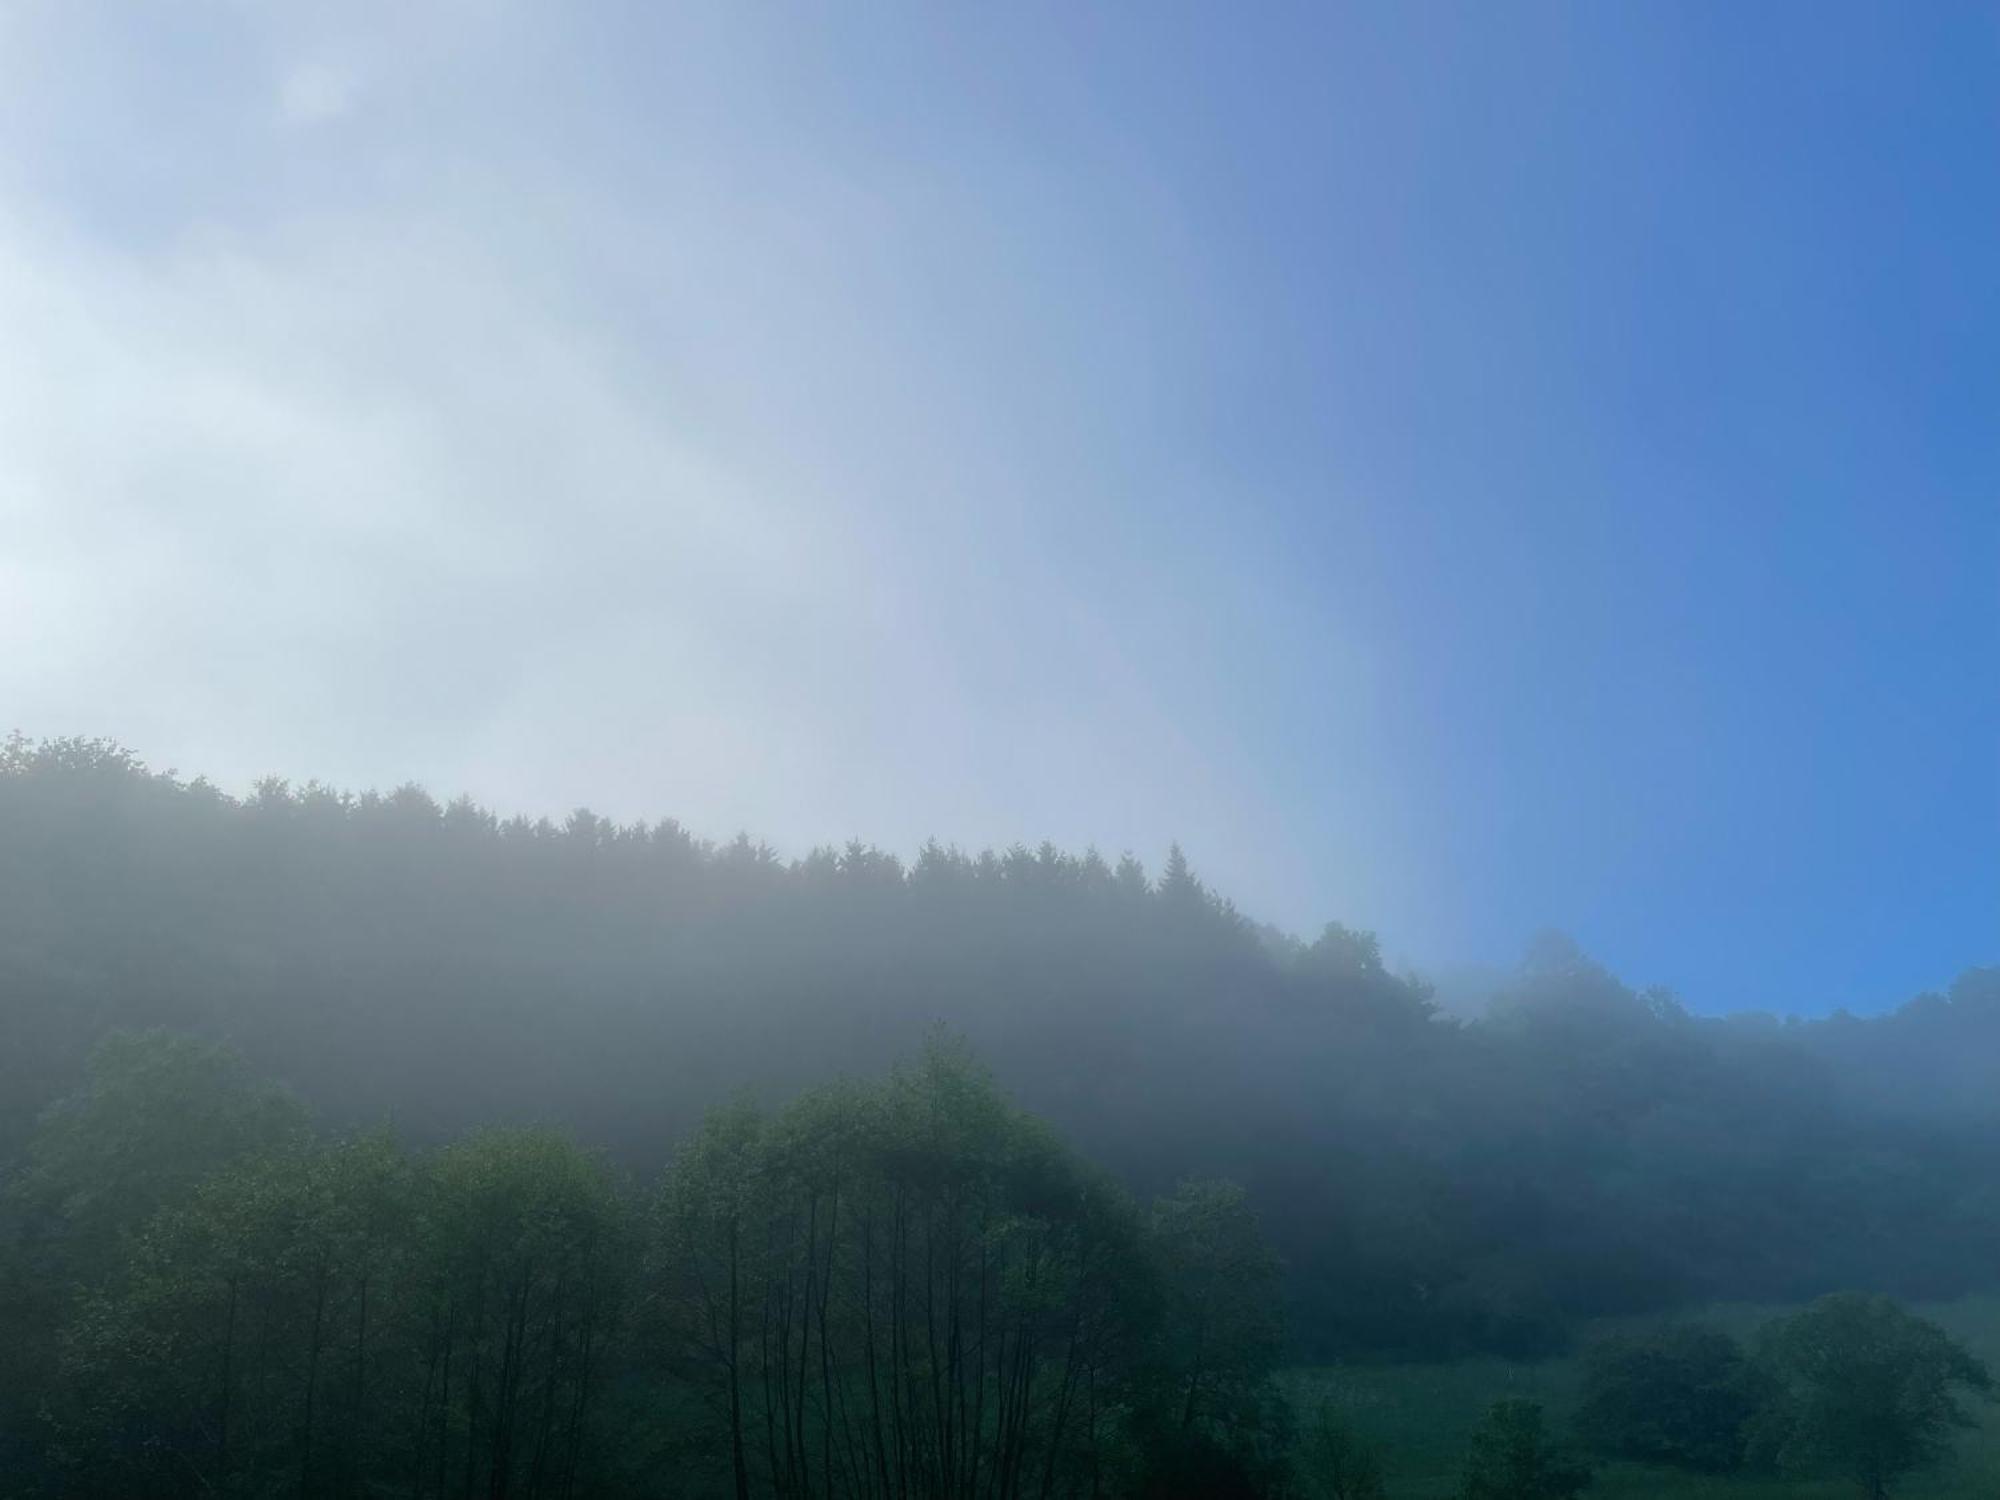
1493 504
1432 1182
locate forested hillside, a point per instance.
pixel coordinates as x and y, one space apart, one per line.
1430 1184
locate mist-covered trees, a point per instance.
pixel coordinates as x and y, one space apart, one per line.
157 1114
1864 1389
325 1319
1514 1457
154 1116
1225 1329
900 1288
908 1289
1681 1395
232 1352
520 1283
1431 1184
1335 1462
1853 1386
907 1285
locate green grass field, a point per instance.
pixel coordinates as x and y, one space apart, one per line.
1421 1416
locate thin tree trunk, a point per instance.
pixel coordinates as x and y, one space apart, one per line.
737 1459
358 1425
228 1361
312 1378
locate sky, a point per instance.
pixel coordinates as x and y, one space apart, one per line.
1461 470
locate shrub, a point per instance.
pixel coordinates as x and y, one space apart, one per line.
1681 1395
1513 1458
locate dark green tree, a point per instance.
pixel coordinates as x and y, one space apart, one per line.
157 1113
520 1275
1434 1184
1225 1326
909 1288
1862 1388
1214 1420
245 1348
704 1274
1512 1457
1682 1395
1334 1462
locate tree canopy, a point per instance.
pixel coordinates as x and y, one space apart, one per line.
1862 1388
1430 1182
1681 1395
879 1290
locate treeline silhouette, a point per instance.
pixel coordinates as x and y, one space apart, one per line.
1431 1184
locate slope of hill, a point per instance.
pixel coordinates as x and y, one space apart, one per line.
1434 1183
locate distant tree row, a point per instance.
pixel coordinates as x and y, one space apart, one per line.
892 1289
1432 1184
1853 1387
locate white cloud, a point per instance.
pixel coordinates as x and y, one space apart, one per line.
313 92
752 487
267 490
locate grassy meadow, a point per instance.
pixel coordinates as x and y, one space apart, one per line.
1422 1414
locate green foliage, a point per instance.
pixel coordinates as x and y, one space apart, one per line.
519 1282
1681 1395
1194 1465
1433 1185
911 1288
1334 1462
155 1116
237 1352
326 1318
157 1113
1513 1458
1421 1412
1225 1327
1860 1387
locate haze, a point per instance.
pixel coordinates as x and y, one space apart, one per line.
1459 480
1143 751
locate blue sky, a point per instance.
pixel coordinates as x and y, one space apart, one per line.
1459 469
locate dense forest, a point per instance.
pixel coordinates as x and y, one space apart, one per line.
318 1105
